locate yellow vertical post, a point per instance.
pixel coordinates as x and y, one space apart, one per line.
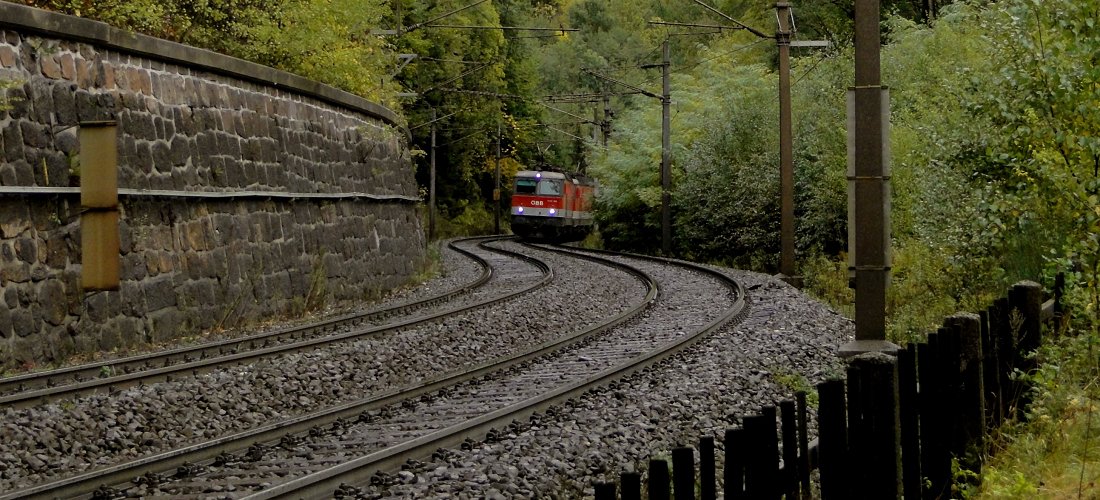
99 205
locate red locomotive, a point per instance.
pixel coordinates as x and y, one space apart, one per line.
552 205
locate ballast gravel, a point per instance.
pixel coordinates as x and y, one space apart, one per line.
60 439
788 340
688 300
559 454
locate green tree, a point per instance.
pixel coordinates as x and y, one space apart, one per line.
324 40
468 77
327 41
1045 153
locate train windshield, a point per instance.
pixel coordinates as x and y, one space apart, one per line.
526 186
549 187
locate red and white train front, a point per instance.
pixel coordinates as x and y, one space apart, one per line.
552 205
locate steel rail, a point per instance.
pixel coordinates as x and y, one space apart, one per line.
84 484
667 260
323 484
194 367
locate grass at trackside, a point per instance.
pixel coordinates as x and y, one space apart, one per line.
1055 453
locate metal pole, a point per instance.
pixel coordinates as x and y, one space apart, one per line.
605 125
431 187
786 162
870 187
496 187
597 125
666 155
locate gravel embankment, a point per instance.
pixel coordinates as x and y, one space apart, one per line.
688 300
700 392
60 439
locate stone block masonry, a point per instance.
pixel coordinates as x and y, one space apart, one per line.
247 193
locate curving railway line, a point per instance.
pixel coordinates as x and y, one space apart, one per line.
308 454
146 469
513 276
483 409
517 396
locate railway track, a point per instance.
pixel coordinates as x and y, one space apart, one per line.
484 407
112 375
149 471
310 457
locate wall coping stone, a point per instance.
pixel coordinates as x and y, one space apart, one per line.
79 29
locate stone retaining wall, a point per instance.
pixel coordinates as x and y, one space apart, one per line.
248 193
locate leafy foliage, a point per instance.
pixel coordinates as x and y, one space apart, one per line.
325 40
328 41
477 82
1045 157
720 216
1053 452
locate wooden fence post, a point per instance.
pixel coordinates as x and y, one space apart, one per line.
832 440
789 480
1059 293
605 491
1027 298
683 473
951 343
771 452
803 445
1030 301
878 432
658 480
734 473
935 459
856 449
951 389
909 408
991 379
762 470
1000 329
631 485
967 328
707 485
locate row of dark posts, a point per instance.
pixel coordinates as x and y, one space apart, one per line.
891 430
752 462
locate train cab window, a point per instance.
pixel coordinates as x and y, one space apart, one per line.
526 186
550 187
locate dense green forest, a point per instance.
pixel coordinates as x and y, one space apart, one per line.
995 142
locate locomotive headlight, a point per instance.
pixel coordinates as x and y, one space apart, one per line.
519 209
552 211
